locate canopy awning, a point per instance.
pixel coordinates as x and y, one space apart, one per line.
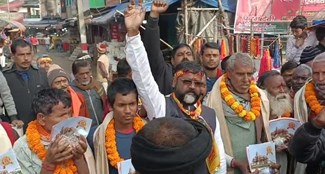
229 5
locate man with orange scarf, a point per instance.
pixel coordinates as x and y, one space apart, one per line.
35 151
307 144
59 79
243 111
184 102
113 138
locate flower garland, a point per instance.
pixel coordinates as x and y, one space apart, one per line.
34 132
193 114
111 149
311 99
238 108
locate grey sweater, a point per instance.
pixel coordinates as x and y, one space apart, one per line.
6 100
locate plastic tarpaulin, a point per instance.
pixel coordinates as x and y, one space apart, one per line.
229 5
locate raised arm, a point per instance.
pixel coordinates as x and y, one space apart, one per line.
161 71
153 101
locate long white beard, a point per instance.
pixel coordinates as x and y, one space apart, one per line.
280 104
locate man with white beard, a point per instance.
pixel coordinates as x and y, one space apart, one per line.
280 106
277 93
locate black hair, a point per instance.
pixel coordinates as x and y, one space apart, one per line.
78 63
46 99
211 45
182 45
224 63
168 132
189 66
19 43
123 86
291 64
261 80
320 33
299 21
123 68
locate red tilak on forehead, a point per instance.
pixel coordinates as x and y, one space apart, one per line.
182 72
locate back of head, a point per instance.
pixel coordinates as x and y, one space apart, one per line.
189 66
83 60
299 21
46 99
261 80
320 33
123 68
224 63
19 43
122 86
170 145
291 64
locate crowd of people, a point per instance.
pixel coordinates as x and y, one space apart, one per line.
193 116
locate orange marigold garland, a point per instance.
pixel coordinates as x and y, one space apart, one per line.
311 99
111 149
236 106
33 136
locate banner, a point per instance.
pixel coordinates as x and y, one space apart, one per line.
272 16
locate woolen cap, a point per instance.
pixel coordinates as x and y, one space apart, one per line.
54 72
308 54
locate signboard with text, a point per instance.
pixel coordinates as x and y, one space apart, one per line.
272 15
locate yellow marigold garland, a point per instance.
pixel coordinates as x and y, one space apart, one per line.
111 149
33 136
311 99
237 107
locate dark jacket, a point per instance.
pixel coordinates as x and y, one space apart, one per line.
307 146
94 103
23 92
161 71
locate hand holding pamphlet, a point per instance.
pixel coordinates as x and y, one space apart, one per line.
9 163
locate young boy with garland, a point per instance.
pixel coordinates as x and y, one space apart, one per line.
35 151
113 138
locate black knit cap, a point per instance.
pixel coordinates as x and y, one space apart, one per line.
149 158
308 54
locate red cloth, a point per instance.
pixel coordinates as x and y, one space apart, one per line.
265 64
223 49
10 132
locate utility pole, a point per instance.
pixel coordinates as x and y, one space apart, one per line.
82 28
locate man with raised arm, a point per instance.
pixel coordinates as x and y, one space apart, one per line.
184 102
162 71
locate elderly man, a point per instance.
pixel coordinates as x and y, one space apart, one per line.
300 76
59 79
281 106
280 100
35 151
309 99
92 90
184 102
309 107
243 110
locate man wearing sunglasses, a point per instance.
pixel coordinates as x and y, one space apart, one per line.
184 101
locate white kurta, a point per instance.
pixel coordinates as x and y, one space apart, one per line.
153 101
